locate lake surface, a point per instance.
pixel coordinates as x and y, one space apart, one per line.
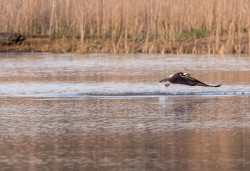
106 112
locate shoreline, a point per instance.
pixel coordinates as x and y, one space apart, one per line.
52 44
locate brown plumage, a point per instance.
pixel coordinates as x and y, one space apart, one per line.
184 78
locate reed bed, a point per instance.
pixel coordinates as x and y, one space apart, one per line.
123 26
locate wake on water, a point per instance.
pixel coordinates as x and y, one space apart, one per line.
95 89
117 89
161 90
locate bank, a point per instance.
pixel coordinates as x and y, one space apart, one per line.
121 45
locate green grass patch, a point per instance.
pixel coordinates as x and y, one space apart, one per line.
192 34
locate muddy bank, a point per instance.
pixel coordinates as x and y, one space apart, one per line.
208 45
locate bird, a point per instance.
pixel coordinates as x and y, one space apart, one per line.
186 79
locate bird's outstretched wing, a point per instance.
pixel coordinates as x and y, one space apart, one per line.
189 80
194 82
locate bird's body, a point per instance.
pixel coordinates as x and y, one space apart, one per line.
184 78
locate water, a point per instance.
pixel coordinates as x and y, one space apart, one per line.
104 112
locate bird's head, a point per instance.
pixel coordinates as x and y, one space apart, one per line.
183 74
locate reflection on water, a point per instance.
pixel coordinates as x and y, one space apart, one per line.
171 133
46 124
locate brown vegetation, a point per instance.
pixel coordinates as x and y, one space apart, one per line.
122 26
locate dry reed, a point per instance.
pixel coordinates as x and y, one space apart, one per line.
150 26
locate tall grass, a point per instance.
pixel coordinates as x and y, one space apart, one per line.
150 24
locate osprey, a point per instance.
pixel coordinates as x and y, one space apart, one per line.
184 78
